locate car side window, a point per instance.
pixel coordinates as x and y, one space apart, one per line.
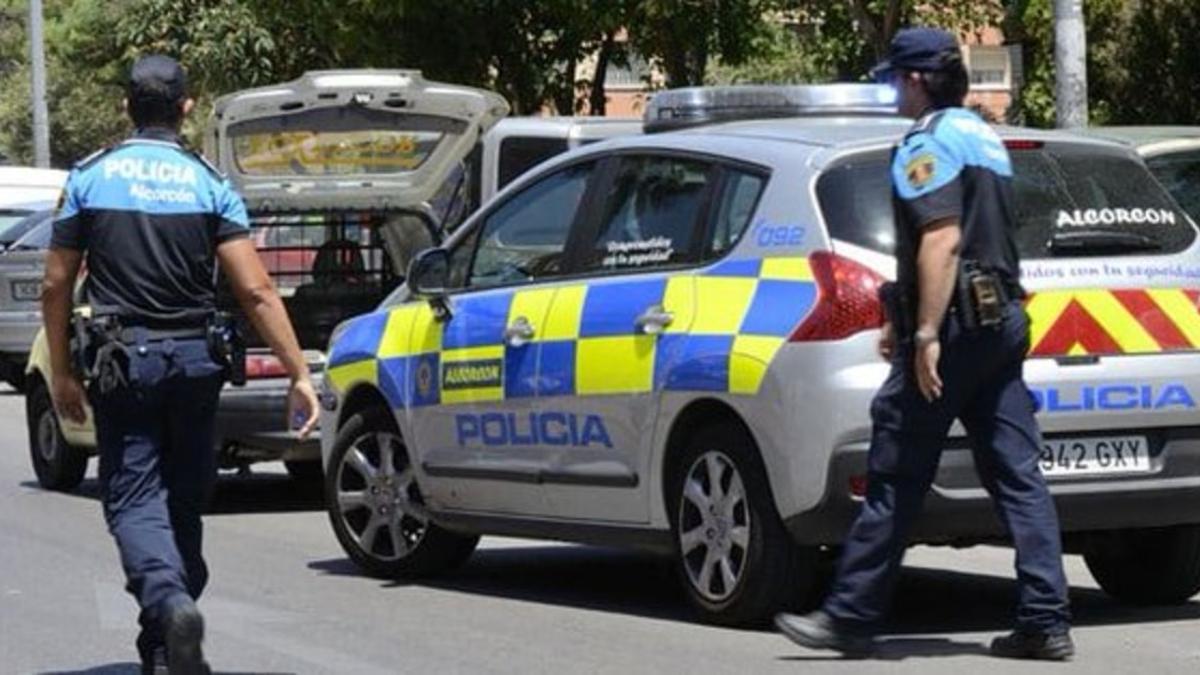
651 214
525 239
735 206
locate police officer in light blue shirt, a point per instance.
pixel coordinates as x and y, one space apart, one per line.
956 338
152 219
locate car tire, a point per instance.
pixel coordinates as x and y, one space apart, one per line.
1153 566
365 500
304 471
742 537
58 464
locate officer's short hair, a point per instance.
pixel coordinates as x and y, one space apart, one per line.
148 112
947 87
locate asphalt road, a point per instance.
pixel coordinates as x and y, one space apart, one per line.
283 599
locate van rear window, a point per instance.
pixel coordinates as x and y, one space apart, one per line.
337 142
1077 192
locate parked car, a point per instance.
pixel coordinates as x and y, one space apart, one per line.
667 341
337 169
22 265
1173 155
24 191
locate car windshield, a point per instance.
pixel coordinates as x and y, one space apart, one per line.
1081 193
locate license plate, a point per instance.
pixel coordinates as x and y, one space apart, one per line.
1071 457
26 290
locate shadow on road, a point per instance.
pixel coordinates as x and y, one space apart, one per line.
256 493
585 577
135 669
928 601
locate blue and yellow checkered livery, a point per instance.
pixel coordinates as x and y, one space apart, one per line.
728 322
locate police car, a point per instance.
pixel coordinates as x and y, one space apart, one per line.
667 341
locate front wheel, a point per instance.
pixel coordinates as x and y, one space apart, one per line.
376 507
735 558
1153 566
58 464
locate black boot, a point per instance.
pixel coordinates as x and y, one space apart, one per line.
183 627
818 630
1021 644
154 661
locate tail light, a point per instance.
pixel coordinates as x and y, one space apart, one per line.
847 299
262 367
1022 144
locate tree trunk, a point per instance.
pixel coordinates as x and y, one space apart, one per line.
597 100
564 93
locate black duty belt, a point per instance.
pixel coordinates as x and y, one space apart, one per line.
131 334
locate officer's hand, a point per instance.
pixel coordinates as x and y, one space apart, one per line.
303 409
928 380
69 398
887 342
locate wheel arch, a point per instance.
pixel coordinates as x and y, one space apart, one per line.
362 396
695 416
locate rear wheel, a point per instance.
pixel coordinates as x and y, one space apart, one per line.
376 508
1153 566
735 559
58 464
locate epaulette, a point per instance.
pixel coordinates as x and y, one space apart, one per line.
925 124
204 161
94 157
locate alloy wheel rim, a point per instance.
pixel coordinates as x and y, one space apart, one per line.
47 437
378 499
714 526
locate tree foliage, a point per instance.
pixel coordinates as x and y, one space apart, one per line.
1143 60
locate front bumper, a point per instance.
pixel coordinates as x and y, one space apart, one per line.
958 509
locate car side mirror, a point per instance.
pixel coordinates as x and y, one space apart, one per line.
429 278
429 273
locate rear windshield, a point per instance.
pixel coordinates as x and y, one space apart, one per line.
1059 190
336 142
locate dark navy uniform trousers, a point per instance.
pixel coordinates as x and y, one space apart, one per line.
984 389
157 470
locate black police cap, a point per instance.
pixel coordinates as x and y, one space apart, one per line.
157 77
919 49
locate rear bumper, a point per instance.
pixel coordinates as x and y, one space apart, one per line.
17 331
957 509
252 423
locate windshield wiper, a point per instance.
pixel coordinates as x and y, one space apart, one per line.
1099 242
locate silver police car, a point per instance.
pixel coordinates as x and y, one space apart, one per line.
667 341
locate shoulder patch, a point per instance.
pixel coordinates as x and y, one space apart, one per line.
920 170
94 157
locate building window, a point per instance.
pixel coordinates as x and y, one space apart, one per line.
990 67
633 75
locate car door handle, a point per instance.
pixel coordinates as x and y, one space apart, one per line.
654 320
519 332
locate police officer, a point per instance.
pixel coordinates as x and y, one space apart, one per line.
151 218
956 339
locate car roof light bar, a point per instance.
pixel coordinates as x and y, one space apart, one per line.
697 106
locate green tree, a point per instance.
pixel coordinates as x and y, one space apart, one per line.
850 36
785 57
